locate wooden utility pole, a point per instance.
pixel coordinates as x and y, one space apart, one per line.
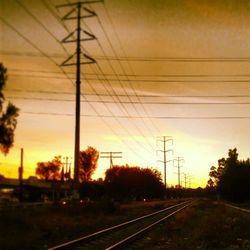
20 176
111 156
67 165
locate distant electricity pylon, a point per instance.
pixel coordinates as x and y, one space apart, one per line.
179 159
165 139
111 156
185 176
76 14
67 166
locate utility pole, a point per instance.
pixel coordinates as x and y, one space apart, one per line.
20 176
189 180
77 10
185 179
67 167
111 156
165 139
179 159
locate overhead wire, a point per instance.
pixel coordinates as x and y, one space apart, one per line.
136 80
143 75
113 116
111 128
126 102
24 37
122 95
38 49
123 88
122 105
130 67
117 102
153 117
125 74
148 59
40 23
177 59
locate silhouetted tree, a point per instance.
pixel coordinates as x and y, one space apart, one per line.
87 163
232 177
126 182
49 170
216 173
8 118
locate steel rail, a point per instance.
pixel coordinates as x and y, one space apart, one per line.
132 236
235 207
113 228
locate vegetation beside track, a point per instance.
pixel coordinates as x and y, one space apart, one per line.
41 227
205 225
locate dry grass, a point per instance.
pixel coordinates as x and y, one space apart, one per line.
206 226
38 228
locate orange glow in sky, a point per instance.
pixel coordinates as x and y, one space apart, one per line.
164 68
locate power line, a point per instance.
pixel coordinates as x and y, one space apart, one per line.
45 55
142 75
123 141
123 106
68 31
39 22
137 80
111 156
124 72
137 117
119 100
122 95
27 40
148 59
51 59
126 102
177 59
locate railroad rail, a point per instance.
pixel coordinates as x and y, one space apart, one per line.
121 235
238 208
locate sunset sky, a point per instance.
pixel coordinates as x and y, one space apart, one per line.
164 68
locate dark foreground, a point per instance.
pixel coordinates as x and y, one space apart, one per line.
205 225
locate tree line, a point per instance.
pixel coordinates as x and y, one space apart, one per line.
54 170
231 178
120 182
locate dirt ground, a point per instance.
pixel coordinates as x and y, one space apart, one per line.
205 225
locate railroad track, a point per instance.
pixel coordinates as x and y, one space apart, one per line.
124 234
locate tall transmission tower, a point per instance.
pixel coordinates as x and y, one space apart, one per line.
179 160
111 156
185 176
190 180
76 14
164 139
